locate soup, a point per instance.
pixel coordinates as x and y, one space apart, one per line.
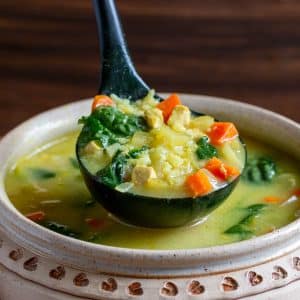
158 149
47 187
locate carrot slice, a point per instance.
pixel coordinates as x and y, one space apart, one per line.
199 183
168 105
221 132
273 199
101 100
220 170
36 216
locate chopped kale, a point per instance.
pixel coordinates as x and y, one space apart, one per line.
262 169
41 174
205 149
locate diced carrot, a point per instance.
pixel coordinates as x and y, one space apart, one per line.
101 100
296 192
168 105
36 216
199 183
217 168
232 171
273 199
220 170
221 132
95 223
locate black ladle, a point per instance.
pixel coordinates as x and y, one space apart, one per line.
120 77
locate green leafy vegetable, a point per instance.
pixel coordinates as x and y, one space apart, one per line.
205 150
74 162
60 228
107 125
259 170
242 228
114 173
254 209
135 153
118 122
41 174
93 130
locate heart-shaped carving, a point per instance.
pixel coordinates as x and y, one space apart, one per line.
229 284
31 264
196 288
296 263
280 273
254 278
169 289
135 289
110 285
16 254
81 280
58 273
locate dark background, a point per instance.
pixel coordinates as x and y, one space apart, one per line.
248 50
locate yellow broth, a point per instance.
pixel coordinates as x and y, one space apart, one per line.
49 181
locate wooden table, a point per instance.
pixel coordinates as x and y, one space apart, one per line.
245 50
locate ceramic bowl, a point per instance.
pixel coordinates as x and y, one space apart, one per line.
36 263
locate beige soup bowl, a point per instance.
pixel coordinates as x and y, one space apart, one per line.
36 263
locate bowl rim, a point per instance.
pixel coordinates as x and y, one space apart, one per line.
174 257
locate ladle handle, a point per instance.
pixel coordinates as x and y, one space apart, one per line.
118 74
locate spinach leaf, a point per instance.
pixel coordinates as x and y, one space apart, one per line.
93 130
252 212
114 173
60 228
205 150
41 174
135 153
241 230
107 125
74 162
118 122
260 170
242 227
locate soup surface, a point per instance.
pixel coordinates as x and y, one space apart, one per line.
47 187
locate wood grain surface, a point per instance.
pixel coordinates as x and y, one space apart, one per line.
240 49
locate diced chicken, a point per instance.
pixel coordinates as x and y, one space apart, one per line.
154 118
142 174
180 117
92 148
